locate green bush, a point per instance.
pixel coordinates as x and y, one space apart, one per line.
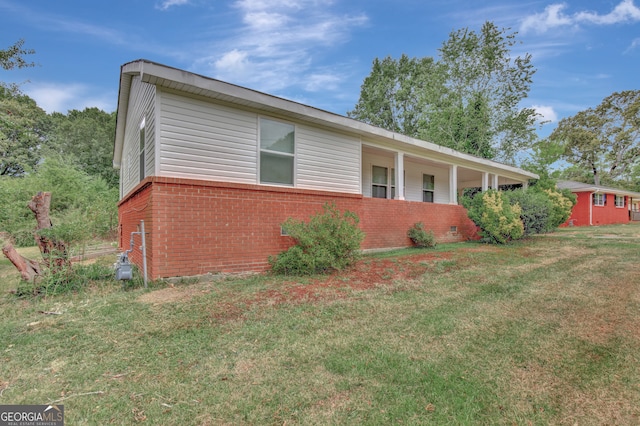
329 241
420 236
498 220
562 203
535 210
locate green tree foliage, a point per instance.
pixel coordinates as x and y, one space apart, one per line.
82 206
469 100
23 129
329 241
86 139
13 57
397 93
604 140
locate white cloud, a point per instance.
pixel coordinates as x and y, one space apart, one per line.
277 43
166 4
626 11
634 45
54 97
554 17
551 17
547 113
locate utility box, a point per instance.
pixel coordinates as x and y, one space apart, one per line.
123 268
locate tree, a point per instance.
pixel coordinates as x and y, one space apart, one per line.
23 128
86 139
604 140
13 57
469 100
397 93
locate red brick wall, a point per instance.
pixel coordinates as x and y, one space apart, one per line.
195 227
602 215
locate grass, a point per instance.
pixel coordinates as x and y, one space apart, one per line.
539 332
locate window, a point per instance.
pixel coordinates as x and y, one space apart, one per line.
428 186
599 199
620 201
143 162
277 152
379 182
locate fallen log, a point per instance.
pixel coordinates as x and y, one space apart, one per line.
29 269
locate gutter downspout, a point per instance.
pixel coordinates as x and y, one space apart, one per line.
591 208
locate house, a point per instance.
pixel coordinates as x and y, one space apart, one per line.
214 169
601 205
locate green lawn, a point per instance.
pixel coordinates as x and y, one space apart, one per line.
544 331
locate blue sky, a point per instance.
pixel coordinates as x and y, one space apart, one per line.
316 52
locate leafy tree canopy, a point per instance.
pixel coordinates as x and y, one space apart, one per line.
85 138
604 140
468 100
23 129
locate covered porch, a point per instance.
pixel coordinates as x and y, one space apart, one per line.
440 178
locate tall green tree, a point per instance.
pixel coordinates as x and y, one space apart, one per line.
22 123
604 140
23 129
468 100
397 93
85 138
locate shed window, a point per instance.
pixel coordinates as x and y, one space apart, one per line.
379 181
277 152
599 199
428 187
620 201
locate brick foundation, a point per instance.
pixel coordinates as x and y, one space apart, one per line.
196 227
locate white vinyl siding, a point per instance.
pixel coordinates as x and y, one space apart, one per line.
414 181
202 140
326 160
141 110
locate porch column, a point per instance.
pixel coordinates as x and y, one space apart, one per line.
485 181
453 184
399 176
525 184
494 181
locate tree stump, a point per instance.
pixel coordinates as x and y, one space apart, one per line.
54 253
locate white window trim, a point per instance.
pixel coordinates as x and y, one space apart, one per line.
601 196
142 150
432 191
387 185
620 197
284 154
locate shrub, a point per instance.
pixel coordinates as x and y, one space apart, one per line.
498 220
535 210
562 203
329 241
420 236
